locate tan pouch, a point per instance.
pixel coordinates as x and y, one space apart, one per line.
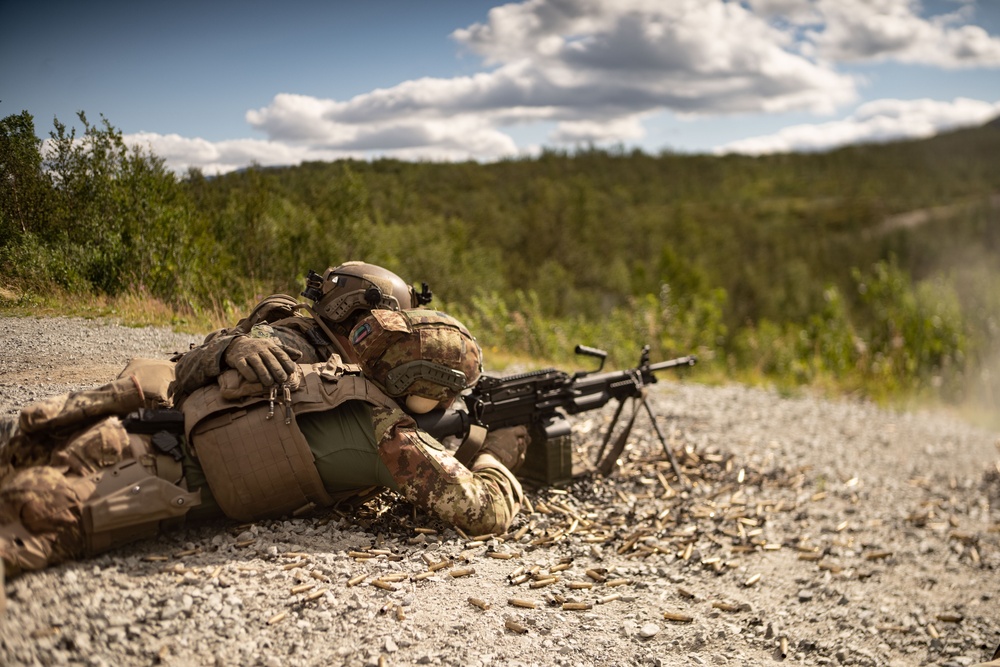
257 466
129 504
153 377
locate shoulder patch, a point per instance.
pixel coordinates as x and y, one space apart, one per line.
360 333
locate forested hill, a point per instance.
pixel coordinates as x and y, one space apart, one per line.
874 267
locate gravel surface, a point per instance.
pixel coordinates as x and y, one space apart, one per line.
816 532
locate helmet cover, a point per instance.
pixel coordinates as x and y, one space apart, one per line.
417 352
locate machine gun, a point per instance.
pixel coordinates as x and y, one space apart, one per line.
542 399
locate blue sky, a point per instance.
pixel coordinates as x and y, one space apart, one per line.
218 85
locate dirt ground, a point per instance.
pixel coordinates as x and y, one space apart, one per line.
804 530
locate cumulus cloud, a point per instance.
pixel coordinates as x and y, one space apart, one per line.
593 67
881 120
881 30
597 70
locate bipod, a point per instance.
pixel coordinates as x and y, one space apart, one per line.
605 464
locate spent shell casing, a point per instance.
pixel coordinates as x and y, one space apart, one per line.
596 575
514 626
677 617
354 581
577 606
400 576
617 582
539 583
360 554
752 580
439 565
316 594
949 617
425 531
501 555
609 598
277 618
482 604
521 602
580 585
783 647
462 572
420 576
685 593
400 615
302 588
725 606
385 585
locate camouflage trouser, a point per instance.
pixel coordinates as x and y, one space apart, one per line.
41 505
53 464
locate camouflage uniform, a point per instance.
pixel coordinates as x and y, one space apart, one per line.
296 332
341 296
51 498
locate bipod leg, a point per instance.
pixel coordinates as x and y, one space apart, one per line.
611 429
608 464
666 446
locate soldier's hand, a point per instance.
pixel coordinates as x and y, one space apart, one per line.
508 445
263 360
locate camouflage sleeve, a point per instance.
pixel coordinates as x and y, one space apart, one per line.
200 366
479 501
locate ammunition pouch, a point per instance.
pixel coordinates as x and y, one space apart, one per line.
129 504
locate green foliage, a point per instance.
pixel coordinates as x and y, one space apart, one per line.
782 268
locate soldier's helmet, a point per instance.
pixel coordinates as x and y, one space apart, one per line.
417 354
344 290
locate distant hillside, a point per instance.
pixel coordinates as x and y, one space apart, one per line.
875 266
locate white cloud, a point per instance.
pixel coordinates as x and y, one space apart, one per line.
591 66
882 30
881 120
595 69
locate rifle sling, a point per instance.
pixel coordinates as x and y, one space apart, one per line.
471 446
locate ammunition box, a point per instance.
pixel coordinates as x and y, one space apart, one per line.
549 460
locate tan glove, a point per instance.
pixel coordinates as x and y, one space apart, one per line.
261 358
508 445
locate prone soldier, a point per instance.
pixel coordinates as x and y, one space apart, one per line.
77 483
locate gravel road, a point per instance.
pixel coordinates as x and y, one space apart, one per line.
814 532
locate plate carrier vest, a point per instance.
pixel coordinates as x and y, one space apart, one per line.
254 456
